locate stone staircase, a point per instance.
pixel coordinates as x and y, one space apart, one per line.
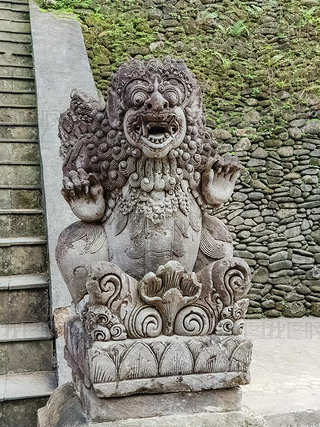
27 374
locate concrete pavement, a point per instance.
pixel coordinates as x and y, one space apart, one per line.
285 370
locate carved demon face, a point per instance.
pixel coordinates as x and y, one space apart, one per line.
155 121
152 98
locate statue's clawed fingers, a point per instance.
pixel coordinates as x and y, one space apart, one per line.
84 194
84 179
68 190
95 188
219 179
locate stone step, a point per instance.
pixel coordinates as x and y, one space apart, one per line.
16 72
21 225
14 4
22 241
16 86
25 347
18 141
23 305
18 174
20 113
17 99
19 187
22 395
14 37
19 153
16 48
24 282
23 256
16 60
13 14
10 63
18 131
20 199
27 386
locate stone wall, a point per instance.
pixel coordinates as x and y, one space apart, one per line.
258 65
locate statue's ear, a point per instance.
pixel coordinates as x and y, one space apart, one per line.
114 109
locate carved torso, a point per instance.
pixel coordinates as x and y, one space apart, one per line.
139 243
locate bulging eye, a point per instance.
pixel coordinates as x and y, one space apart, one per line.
173 98
139 98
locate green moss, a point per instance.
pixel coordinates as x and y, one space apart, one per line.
221 43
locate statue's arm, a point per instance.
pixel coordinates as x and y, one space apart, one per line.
219 178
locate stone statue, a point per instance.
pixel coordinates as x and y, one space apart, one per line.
160 297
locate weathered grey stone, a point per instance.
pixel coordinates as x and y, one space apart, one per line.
278 256
285 151
260 153
303 289
292 296
286 213
221 134
295 133
312 127
252 117
261 275
251 213
295 309
298 123
256 162
273 313
315 309
300 259
292 232
243 144
268 304
313 274
198 410
280 265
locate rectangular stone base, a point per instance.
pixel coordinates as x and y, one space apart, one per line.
164 364
216 408
158 405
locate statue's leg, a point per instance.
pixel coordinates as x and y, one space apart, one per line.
80 246
215 243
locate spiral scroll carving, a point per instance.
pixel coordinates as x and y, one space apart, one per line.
192 320
147 323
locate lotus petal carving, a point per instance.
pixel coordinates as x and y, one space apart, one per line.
170 289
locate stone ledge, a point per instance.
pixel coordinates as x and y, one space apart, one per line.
217 408
175 383
61 64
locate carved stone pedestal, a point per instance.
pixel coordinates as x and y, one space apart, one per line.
167 381
214 408
154 365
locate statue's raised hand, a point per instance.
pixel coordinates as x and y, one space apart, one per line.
84 194
219 178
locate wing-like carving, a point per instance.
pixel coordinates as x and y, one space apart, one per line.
77 122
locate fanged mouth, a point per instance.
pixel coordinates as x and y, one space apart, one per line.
156 132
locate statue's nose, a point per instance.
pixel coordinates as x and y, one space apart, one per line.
156 102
